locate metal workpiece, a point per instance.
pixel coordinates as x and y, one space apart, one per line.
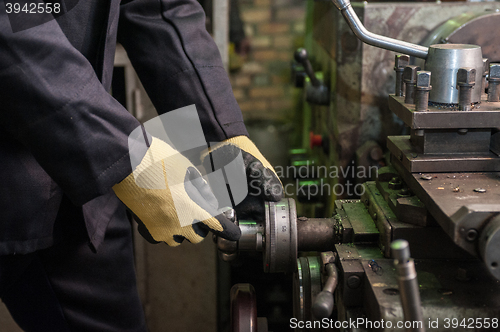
408 284
444 61
489 245
422 89
410 79
377 40
494 82
316 234
280 250
402 60
466 80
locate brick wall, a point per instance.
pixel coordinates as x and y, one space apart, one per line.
262 85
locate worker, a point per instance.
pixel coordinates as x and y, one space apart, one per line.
66 174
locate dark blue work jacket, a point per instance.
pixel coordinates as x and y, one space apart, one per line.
61 131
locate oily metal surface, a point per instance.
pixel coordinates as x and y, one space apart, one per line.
485 115
415 162
460 202
448 289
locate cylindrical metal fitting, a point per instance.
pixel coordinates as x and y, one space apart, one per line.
465 98
494 82
408 284
250 238
421 99
316 234
443 61
410 79
402 60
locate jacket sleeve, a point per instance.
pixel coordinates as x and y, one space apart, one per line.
179 63
54 104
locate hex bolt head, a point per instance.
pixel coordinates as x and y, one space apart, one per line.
410 74
466 76
423 79
402 60
494 74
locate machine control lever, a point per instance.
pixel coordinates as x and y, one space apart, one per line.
317 93
323 304
302 57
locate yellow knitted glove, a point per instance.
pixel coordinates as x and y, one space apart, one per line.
167 193
263 182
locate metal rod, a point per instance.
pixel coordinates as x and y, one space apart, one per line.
408 284
377 40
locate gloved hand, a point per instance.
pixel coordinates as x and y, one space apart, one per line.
263 182
167 193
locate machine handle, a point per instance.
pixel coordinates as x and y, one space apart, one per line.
323 304
302 57
377 40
